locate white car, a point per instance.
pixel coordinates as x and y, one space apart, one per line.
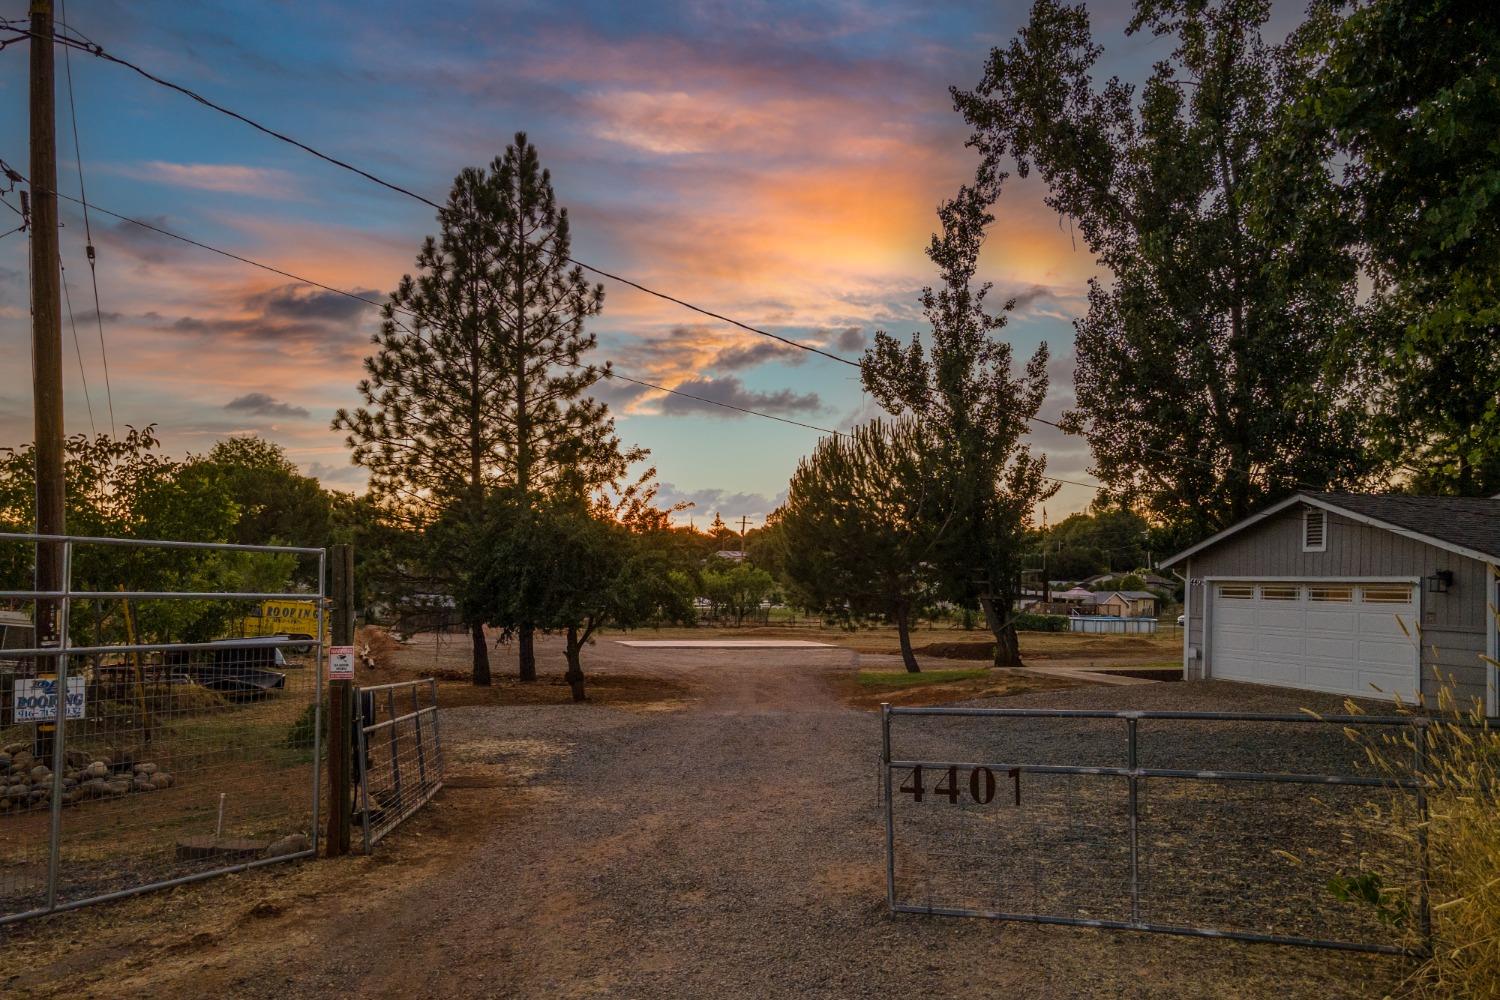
1181 621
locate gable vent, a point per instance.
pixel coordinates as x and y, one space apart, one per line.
1314 530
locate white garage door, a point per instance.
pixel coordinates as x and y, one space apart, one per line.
1344 638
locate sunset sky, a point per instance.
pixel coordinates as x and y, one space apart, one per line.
780 163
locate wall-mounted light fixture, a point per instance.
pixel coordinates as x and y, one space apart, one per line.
1439 582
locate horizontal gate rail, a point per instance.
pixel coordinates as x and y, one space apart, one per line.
165 739
1133 776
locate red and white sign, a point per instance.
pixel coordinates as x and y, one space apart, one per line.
341 663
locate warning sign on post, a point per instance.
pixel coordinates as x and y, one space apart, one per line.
341 663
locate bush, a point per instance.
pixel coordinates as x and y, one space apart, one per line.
1027 622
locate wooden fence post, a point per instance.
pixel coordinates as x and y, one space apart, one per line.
341 708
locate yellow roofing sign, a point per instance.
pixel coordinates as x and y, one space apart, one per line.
281 617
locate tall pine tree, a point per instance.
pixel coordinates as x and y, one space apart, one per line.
429 433
553 436
475 390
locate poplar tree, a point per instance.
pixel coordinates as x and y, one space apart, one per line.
974 410
1204 379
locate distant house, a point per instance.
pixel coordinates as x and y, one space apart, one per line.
1126 603
1380 596
732 555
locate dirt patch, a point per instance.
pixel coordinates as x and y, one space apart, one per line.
209 938
996 684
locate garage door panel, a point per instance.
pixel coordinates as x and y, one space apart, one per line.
1232 613
1277 615
1236 640
1342 647
1280 644
1336 649
1389 653
1344 621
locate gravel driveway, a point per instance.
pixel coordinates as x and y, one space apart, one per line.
733 848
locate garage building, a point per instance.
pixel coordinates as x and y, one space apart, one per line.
1377 596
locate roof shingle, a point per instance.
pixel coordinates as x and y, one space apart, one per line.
1472 522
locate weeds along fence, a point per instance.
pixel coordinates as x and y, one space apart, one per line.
173 753
399 752
1269 828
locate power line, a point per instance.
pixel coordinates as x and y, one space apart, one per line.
82 375
379 305
88 234
98 50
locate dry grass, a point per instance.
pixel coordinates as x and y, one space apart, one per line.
1462 767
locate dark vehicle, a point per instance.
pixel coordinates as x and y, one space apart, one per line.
240 669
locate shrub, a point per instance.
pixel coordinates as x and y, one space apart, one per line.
1027 622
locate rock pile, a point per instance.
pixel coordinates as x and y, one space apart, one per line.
26 783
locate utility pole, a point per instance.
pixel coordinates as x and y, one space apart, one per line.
743 521
46 321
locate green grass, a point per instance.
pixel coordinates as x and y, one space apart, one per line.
902 679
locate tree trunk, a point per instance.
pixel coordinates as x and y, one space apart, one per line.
481 655
574 676
1007 644
903 630
527 634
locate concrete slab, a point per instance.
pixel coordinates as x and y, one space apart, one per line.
724 644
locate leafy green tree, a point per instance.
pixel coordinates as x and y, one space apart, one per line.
1104 540
277 504
1408 90
1203 378
125 488
860 523
565 565
736 588
973 410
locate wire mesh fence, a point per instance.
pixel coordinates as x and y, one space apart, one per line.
174 753
1257 827
400 754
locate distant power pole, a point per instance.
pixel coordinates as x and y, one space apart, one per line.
46 320
743 521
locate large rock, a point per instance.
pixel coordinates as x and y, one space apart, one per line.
292 844
18 791
161 779
41 773
142 785
11 749
118 787
146 769
98 769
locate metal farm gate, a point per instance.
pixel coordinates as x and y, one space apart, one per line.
400 756
144 749
1247 826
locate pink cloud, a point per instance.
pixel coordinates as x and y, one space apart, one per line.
264 182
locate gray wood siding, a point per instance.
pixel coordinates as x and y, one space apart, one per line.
1454 625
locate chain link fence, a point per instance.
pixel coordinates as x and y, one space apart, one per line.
1255 827
140 747
399 752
